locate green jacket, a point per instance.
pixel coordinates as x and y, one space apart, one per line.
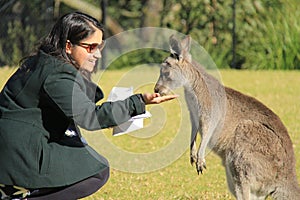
38 103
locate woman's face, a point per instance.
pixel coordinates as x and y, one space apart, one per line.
87 52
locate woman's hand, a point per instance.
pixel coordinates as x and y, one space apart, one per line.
155 98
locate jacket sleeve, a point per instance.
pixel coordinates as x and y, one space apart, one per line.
67 92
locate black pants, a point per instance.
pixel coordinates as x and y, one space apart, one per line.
78 190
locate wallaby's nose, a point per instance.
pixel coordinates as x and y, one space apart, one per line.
156 90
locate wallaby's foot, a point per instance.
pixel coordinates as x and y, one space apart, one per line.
200 165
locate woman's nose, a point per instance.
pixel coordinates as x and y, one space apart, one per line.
98 54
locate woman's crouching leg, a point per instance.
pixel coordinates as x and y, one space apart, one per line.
78 190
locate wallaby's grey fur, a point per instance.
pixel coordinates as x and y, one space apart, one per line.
251 140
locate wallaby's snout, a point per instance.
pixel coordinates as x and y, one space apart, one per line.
156 89
162 90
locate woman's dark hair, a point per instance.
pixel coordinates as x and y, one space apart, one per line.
74 27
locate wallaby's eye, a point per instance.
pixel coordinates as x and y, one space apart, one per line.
166 64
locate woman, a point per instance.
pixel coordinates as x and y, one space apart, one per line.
42 153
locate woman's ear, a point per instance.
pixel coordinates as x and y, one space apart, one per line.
68 47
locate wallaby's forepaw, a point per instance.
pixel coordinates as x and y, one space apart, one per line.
193 154
193 157
200 165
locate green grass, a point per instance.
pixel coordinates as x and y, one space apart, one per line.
279 90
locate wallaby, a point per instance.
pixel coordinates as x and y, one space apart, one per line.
251 140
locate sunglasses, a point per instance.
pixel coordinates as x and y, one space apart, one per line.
92 48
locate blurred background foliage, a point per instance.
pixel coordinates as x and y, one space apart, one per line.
240 34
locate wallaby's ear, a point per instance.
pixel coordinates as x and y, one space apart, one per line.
186 43
185 48
175 46
181 50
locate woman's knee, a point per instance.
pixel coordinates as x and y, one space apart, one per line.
103 175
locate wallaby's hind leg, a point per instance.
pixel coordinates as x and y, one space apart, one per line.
240 188
237 182
255 156
229 177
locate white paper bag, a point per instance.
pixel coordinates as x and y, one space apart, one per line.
136 122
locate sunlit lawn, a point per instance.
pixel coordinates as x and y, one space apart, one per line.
165 176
